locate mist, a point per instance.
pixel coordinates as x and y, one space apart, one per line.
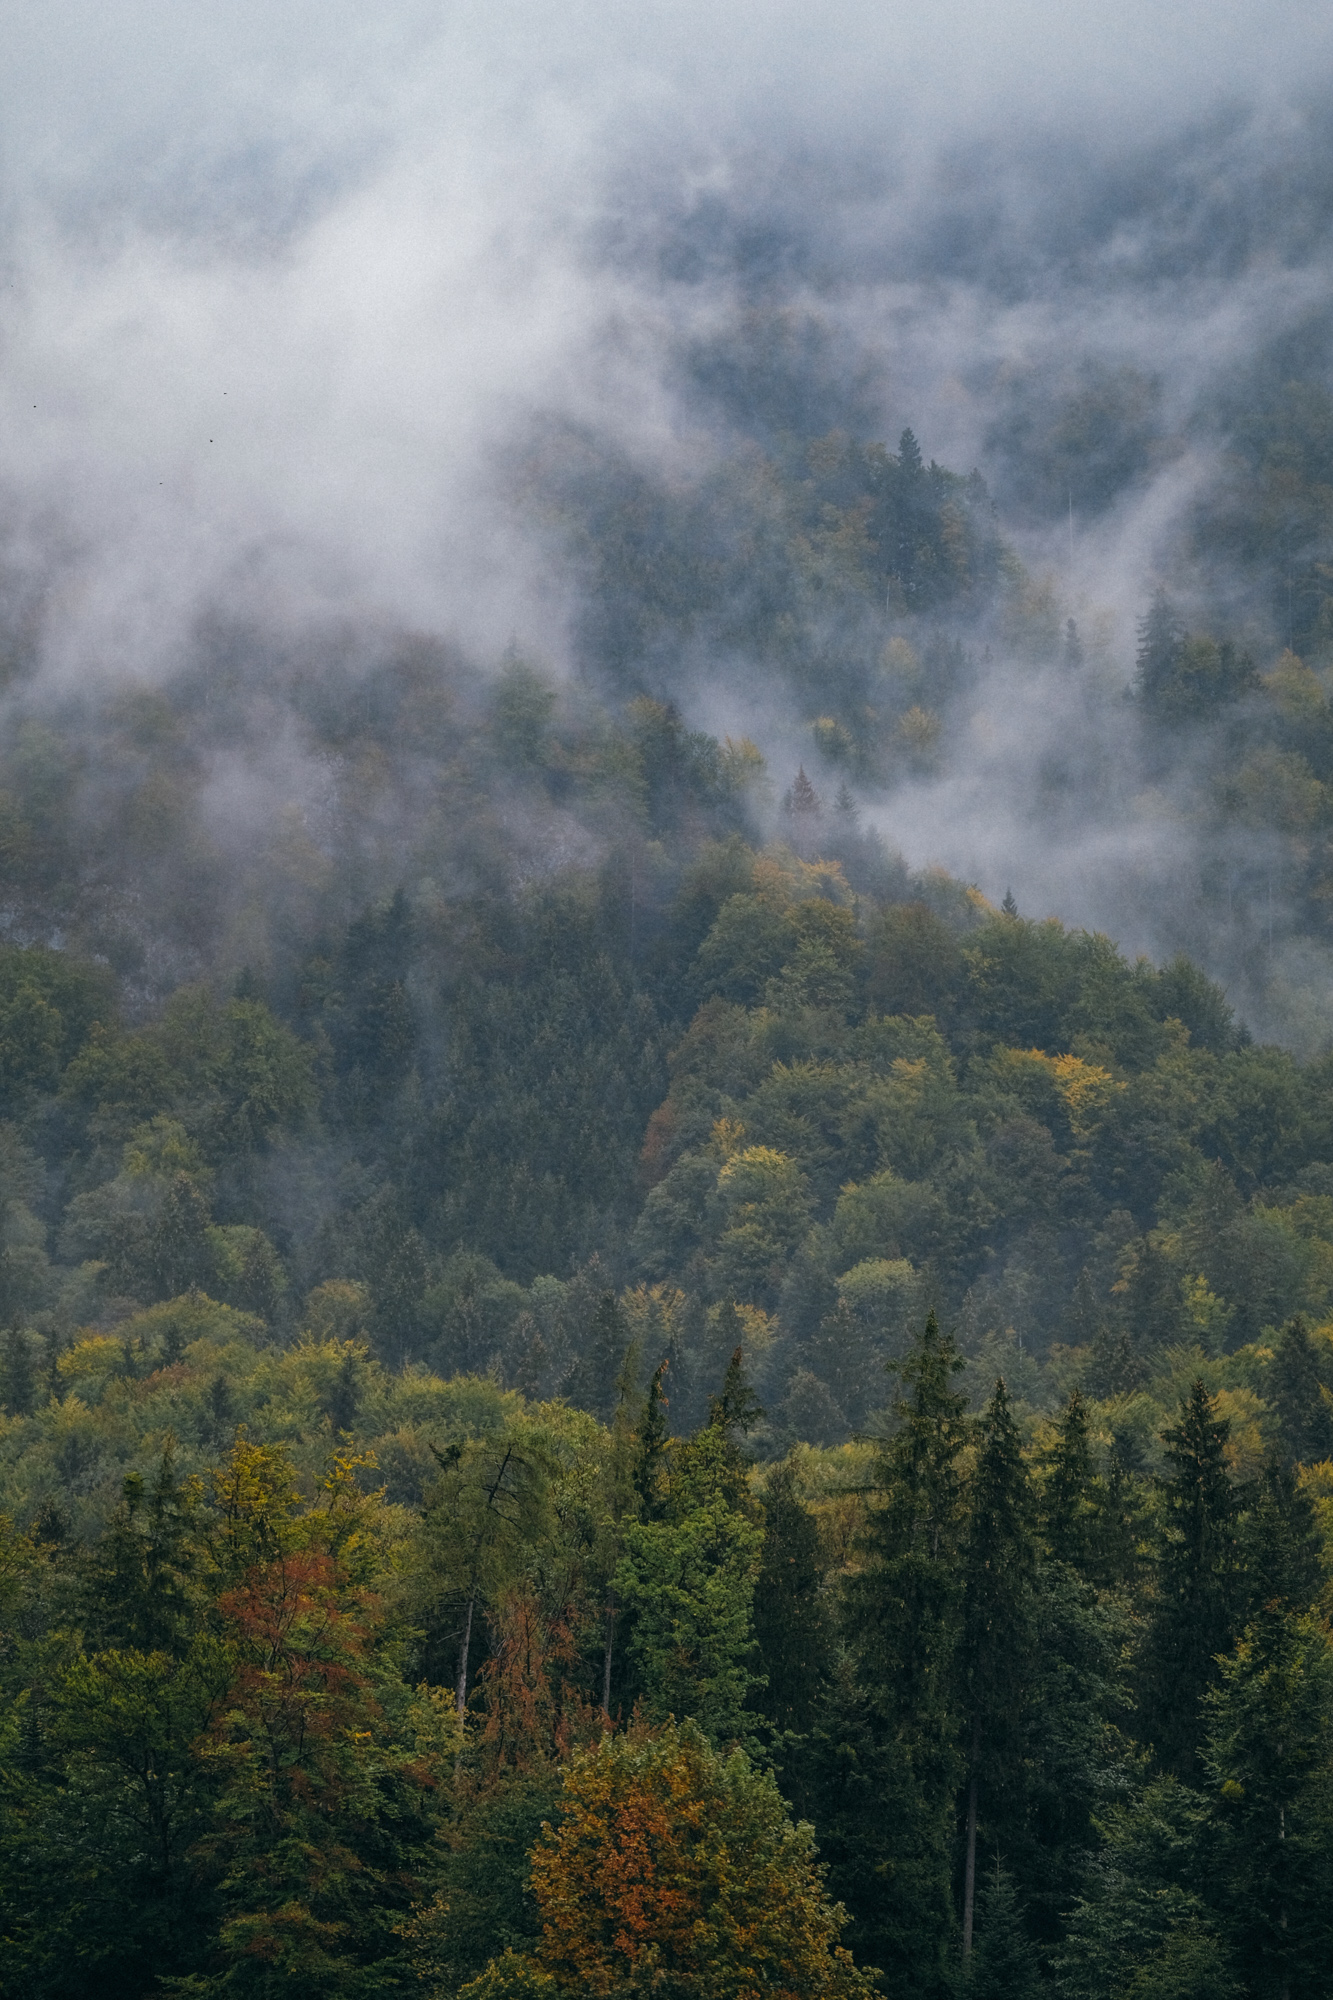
301 312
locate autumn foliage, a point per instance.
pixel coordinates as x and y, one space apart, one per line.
676 1869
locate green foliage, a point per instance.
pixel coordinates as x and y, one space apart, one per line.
519 1073
1195 1613
687 1583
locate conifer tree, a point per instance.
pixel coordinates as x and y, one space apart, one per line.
904 1613
593 1385
1270 1761
1278 1543
1197 1584
792 1625
145 1577
650 1456
1161 636
733 1414
1298 1395
909 455
994 1663
1004 1964
1069 1505
18 1377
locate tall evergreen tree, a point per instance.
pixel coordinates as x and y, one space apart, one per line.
1296 1389
1198 1584
144 1577
792 1624
904 1616
1004 1964
1278 1544
1270 1762
995 1655
593 1384
1069 1511
1161 636
18 1377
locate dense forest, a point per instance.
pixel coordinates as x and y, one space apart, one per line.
606 1390
607 1386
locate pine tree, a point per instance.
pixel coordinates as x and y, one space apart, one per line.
1069 1502
904 1613
18 1377
733 1414
1278 1542
593 1384
1296 1390
687 1582
1198 1584
792 1624
1161 636
909 455
144 1579
804 809
1270 1762
1004 1964
994 1663
650 1456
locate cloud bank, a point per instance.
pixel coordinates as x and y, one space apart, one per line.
287 289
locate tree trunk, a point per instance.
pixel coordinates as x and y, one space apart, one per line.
460 1689
970 1867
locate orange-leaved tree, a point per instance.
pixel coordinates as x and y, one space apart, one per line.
676 1869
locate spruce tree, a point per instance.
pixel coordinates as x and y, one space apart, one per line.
1278 1543
1198 1584
1004 1964
650 1454
1069 1509
18 1377
1270 1762
791 1620
904 1613
1161 636
593 1384
143 1581
995 1654
1296 1390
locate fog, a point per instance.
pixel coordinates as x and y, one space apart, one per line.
290 291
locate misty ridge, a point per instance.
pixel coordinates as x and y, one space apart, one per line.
690 488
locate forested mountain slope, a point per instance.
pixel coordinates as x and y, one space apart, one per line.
552 1285
393 1325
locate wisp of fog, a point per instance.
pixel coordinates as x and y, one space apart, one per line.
291 293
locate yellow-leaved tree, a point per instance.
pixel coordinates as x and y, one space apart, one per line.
676 1869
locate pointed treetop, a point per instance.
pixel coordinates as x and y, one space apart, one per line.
909 452
803 801
737 1408
1009 906
649 1462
